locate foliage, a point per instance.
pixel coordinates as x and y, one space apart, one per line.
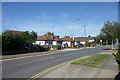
17 41
88 44
102 37
118 59
103 43
109 32
58 47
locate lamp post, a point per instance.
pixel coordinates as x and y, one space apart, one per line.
51 36
73 32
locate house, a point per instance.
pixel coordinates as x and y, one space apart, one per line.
48 39
67 40
51 39
14 32
91 39
80 41
88 39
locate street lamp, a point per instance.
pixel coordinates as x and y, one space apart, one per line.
73 32
52 36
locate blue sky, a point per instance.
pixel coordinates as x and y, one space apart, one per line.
42 16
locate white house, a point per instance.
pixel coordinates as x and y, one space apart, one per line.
67 40
51 39
48 39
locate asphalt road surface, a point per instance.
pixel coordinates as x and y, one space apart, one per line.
28 67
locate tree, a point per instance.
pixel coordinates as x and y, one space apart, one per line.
102 37
12 41
112 32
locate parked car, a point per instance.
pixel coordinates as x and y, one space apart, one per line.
64 45
37 48
80 45
46 47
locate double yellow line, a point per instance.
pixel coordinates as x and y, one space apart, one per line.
45 71
51 68
28 56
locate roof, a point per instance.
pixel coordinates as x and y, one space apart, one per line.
78 39
48 36
51 36
12 31
67 38
87 38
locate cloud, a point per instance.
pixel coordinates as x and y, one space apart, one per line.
59 29
38 17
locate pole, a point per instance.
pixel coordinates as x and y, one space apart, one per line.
51 35
112 44
72 34
106 42
85 30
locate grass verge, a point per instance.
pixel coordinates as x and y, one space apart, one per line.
92 61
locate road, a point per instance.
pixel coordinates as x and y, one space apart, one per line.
28 67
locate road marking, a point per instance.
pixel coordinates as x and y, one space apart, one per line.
51 68
28 56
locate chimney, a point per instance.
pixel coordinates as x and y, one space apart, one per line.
73 37
70 36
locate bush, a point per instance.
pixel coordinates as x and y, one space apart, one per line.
58 47
75 46
104 43
118 59
12 41
68 47
88 45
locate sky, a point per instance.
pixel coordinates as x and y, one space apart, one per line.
58 17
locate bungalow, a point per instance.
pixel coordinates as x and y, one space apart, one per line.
80 41
48 39
51 39
67 40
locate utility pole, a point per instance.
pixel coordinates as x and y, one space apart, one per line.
106 42
51 36
112 44
85 30
72 34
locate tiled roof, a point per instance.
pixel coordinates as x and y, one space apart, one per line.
78 39
12 31
51 36
48 36
67 38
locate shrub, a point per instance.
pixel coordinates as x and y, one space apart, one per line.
58 47
17 41
118 59
75 46
68 47
104 43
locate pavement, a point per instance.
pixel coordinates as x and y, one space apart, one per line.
107 69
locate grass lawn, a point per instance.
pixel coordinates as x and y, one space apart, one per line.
92 61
